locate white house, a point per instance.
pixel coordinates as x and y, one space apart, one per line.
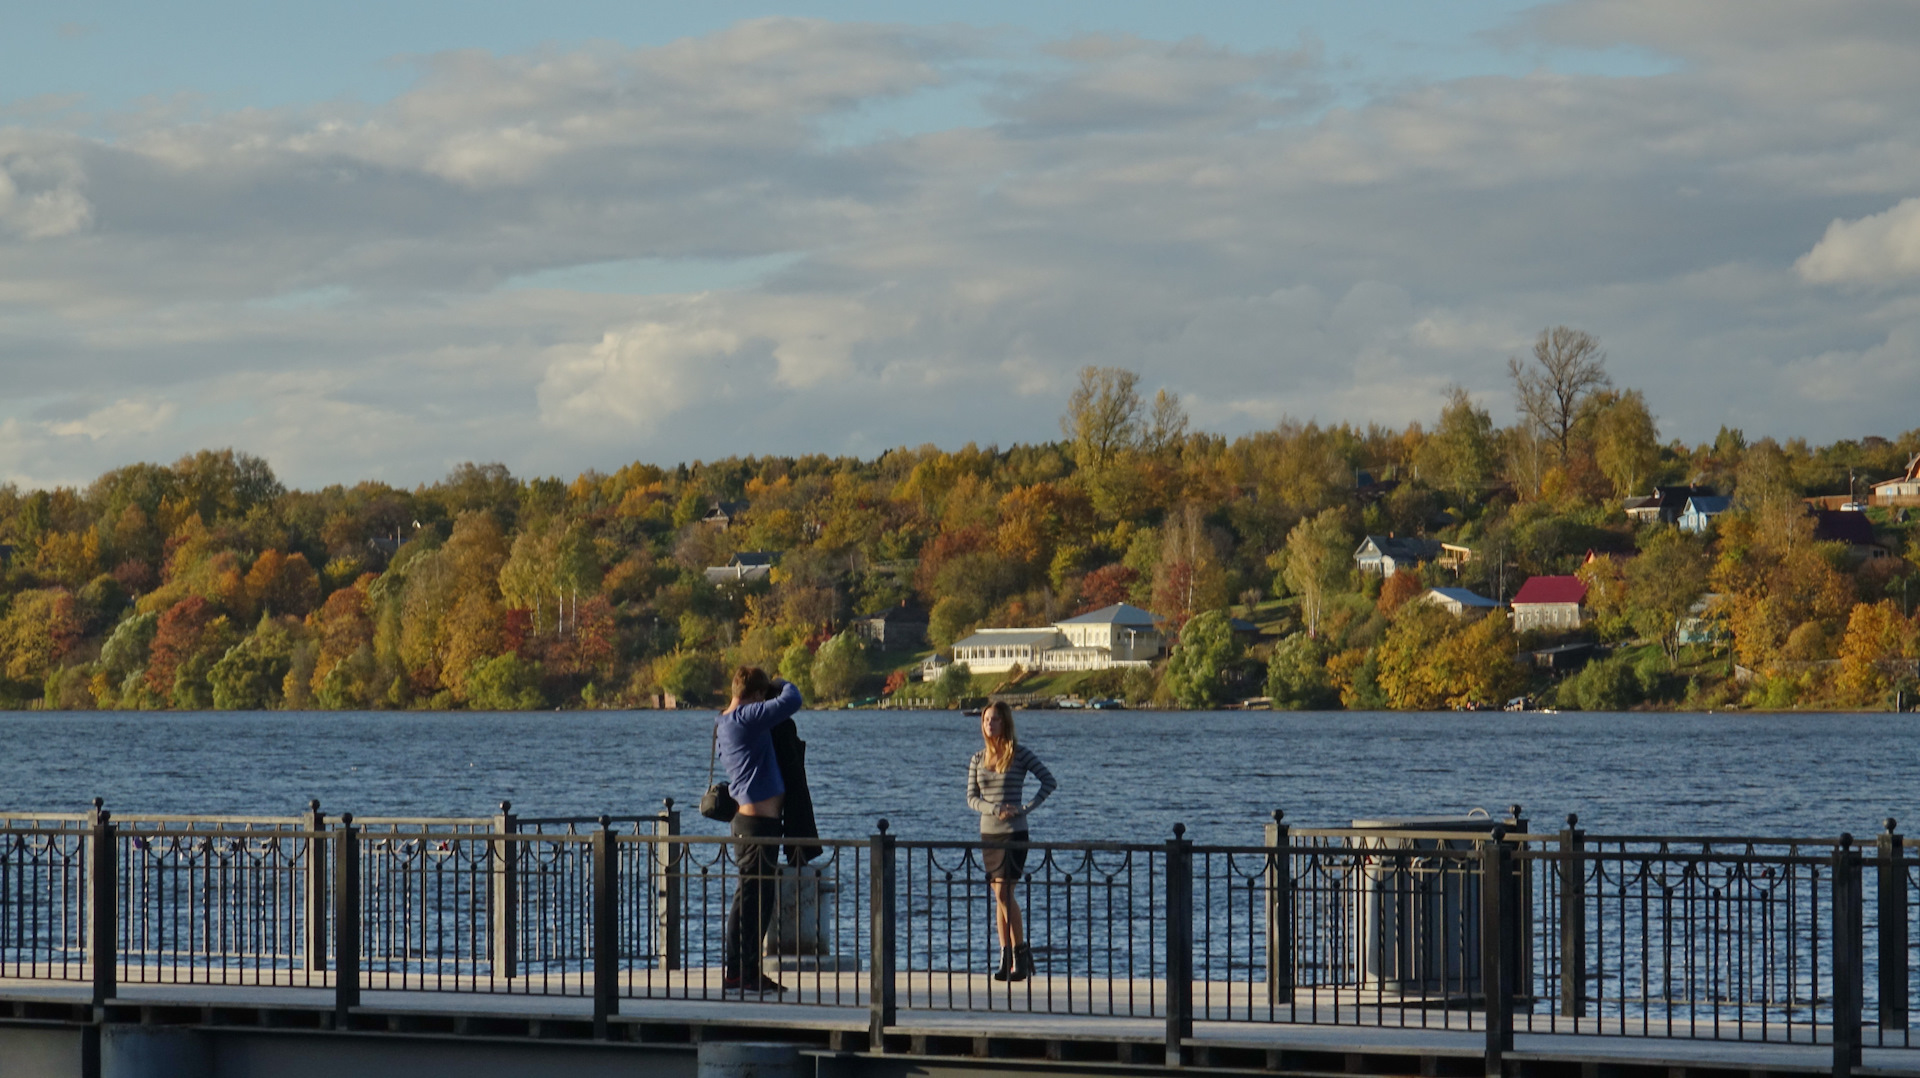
1699 512
1549 602
1118 635
1385 555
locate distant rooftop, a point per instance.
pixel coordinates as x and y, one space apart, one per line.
1117 614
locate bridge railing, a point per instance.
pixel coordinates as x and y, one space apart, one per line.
1784 940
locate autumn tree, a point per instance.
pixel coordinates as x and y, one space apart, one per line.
1567 367
283 584
39 629
1626 443
1103 416
1877 654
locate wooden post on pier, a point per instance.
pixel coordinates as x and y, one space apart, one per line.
1891 862
504 894
318 884
1279 911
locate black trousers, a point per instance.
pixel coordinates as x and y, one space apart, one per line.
756 898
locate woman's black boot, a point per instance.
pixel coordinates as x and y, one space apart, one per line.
1022 963
1005 972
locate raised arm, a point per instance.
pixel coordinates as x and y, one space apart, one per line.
765 714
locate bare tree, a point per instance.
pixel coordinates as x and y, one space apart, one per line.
1567 367
1168 427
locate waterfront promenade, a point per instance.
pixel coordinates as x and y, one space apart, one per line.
1453 947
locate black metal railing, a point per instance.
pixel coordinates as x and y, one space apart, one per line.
1783 940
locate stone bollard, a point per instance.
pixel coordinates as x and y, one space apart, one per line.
799 929
749 1059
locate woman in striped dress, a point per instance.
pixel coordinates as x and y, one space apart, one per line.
995 778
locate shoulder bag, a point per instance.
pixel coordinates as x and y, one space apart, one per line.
717 803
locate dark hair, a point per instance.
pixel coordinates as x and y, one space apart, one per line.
752 683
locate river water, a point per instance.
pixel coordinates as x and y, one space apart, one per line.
1124 776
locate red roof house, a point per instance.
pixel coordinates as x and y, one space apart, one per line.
1549 602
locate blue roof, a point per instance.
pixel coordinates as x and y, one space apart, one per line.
1465 597
1708 504
1117 614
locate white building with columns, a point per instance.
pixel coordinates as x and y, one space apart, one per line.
1118 635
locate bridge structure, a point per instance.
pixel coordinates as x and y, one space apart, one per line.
228 946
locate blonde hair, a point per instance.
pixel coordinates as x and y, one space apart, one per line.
999 750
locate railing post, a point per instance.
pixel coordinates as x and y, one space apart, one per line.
606 927
1573 919
1892 866
346 921
881 1001
504 894
1520 916
1279 910
1496 865
666 858
1179 945
1849 954
103 899
318 884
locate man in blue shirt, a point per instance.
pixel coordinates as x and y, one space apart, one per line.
743 734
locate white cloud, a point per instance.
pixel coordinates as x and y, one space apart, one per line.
1874 250
343 287
121 419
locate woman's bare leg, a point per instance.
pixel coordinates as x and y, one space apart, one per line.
1007 915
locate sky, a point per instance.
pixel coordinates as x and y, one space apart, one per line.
372 241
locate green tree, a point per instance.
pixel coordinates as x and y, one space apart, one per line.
1664 581
954 686
688 675
952 618
1297 675
1460 455
796 665
252 674
1197 668
838 667
1601 685
504 683
125 653
1319 552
